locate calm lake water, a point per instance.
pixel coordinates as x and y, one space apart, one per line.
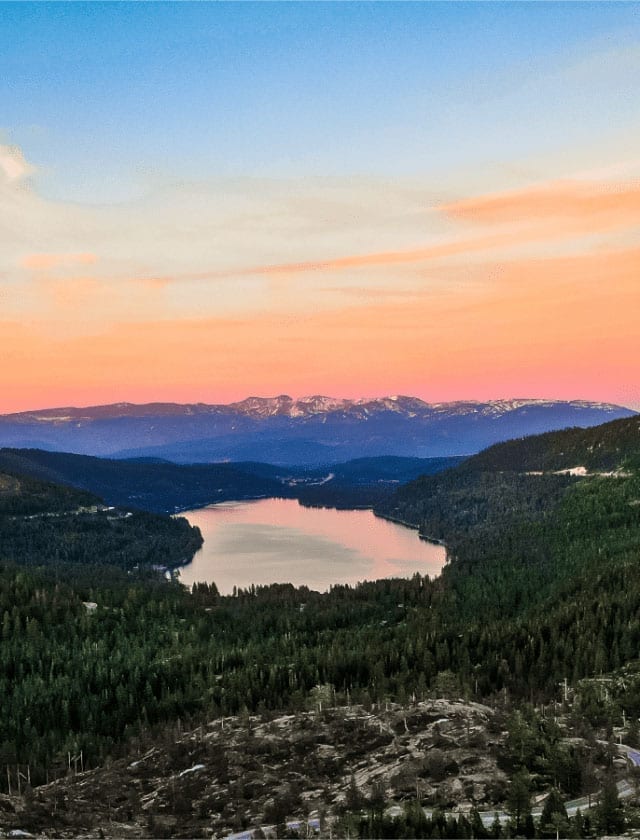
279 541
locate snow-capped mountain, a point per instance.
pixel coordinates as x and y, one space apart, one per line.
313 429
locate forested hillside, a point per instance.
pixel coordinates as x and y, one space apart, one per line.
45 524
542 586
611 446
161 486
22 495
146 484
539 556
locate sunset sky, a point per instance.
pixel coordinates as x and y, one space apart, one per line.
204 201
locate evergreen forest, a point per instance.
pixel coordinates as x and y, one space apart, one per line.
101 643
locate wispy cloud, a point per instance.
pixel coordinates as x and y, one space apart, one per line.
542 213
591 205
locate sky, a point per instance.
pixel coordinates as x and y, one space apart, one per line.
205 201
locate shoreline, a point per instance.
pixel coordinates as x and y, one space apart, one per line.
398 521
387 516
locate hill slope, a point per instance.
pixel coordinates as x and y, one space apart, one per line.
46 524
609 447
519 515
162 486
147 485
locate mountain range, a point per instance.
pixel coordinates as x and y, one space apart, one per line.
315 430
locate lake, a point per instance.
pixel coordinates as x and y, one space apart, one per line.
279 541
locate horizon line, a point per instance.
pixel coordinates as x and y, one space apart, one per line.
305 397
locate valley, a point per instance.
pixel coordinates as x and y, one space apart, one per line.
504 677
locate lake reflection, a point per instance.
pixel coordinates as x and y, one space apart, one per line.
279 541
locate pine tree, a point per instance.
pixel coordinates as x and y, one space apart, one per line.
609 814
477 826
553 820
519 800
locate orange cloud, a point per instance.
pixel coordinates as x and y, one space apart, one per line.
540 214
534 216
47 262
599 204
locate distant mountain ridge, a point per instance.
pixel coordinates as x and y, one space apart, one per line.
310 430
286 406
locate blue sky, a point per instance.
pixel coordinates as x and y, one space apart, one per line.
106 97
